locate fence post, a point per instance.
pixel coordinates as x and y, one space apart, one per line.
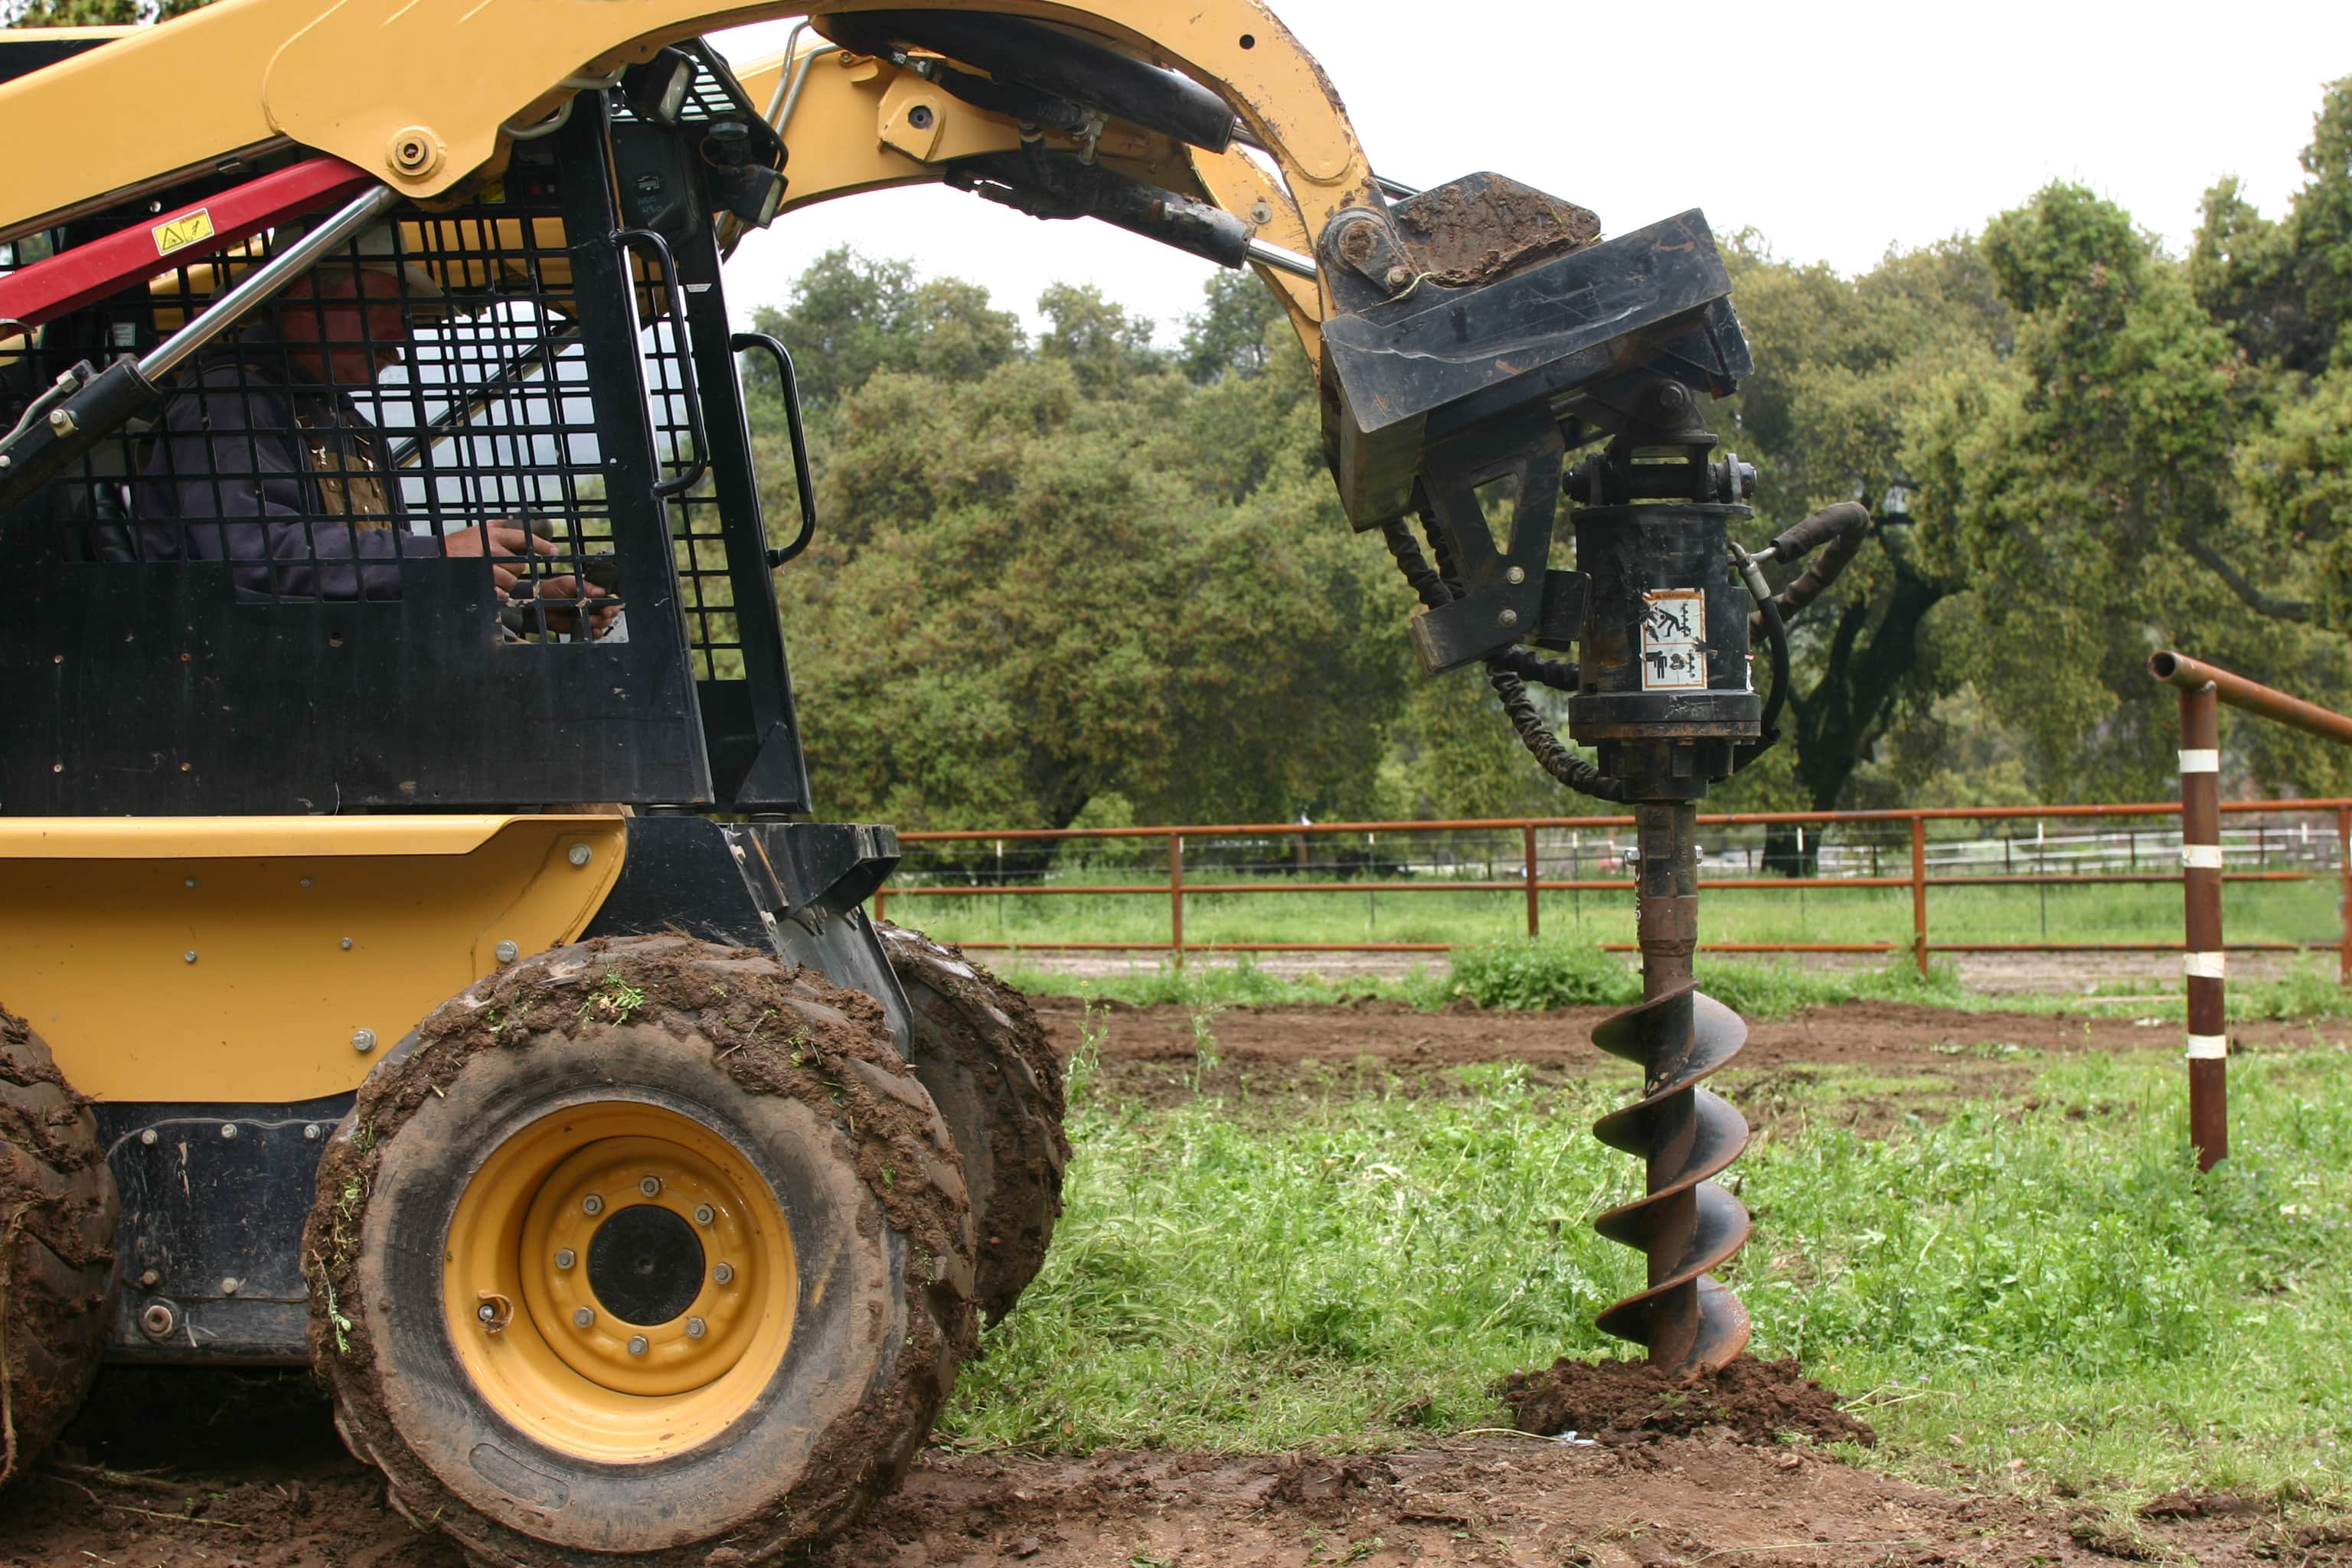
2343 900
882 891
1528 841
2201 882
1176 897
1919 894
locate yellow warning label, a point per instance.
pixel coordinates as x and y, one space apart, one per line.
184 230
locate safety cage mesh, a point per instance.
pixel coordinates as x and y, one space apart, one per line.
422 392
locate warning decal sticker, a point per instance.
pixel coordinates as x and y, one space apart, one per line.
1674 623
183 231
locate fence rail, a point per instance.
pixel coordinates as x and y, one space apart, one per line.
1871 844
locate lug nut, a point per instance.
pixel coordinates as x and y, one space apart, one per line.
486 1313
584 1318
637 1344
363 1040
566 1257
703 1213
580 854
694 1328
724 1274
149 1279
230 1285
148 1136
591 1204
650 1186
158 1320
508 952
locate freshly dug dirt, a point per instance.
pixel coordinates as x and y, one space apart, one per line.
1619 1402
1148 1052
186 1469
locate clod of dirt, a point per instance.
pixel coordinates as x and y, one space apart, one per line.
1621 1402
1309 1479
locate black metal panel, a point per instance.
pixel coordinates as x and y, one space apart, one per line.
758 764
149 689
755 885
214 1201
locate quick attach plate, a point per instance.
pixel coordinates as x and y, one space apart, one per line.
1438 361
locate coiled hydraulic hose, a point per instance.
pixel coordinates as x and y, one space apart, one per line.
1508 671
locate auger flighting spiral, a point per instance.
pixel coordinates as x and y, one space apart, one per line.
1684 1133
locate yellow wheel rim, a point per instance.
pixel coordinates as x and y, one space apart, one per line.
619 1281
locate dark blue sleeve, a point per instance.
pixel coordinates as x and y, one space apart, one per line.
225 482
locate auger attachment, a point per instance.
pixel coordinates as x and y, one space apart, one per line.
1451 401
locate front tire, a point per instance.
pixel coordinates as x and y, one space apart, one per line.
58 1213
647 1247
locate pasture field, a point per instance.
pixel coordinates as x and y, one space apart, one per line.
2296 912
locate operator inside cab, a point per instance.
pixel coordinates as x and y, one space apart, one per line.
263 460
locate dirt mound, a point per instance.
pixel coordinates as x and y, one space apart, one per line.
1620 1401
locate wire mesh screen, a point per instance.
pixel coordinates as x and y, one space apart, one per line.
420 392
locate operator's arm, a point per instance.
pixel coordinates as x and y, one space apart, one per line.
224 482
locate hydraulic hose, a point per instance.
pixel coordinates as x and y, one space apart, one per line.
1508 671
1841 527
1767 615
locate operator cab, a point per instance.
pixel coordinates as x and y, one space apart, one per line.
267 593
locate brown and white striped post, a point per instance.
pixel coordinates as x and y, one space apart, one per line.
2200 880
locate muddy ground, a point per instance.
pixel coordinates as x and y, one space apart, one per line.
176 1470
1149 1053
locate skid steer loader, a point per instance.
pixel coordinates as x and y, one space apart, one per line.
423 960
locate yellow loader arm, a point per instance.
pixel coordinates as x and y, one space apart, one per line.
864 122
371 82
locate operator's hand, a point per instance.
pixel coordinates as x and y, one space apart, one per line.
496 540
567 620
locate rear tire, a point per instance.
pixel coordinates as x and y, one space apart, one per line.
58 1213
981 1052
647 1247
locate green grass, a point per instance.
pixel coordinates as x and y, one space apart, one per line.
2053 1285
1518 973
2302 912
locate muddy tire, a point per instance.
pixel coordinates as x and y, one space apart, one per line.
981 1052
647 1247
57 1209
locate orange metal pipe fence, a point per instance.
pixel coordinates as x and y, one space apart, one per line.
1176 888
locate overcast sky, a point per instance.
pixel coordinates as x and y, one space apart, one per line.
1837 129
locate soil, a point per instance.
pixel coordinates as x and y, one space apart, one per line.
1616 1402
217 1469
179 1469
1149 1053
